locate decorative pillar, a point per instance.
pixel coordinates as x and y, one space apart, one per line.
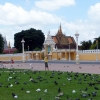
37 56
97 50
28 52
23 57
69 51
77 56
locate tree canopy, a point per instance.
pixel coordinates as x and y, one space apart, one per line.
33 39
1 43
85 45
95 44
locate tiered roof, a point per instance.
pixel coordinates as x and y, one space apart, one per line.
62 41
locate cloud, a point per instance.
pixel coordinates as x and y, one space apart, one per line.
53 4
88 30
13 19
15 15
94 12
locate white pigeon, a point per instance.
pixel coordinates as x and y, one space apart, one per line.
30 65
57 98
38 90
10 77
11 85
69 79
45 90
27 91
15 96
30 79
73 91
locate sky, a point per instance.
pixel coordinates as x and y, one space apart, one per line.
82 16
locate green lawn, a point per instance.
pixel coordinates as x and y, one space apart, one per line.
83 84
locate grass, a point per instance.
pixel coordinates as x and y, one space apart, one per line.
80 82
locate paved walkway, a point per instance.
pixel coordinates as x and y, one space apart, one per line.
81 68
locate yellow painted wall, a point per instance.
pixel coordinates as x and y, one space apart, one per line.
3 58
55 55
88 56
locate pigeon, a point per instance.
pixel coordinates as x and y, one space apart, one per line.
38 90
0 84
14 95
56 83
39 99
27 91
22 88
11 85
10 77
45 90
16 82
94 94
57 98
69 79
96 88
84 95
73 91
60 94
31 79
59 90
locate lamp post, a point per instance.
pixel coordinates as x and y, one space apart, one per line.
23 57
28 47
69 51
97 50
77 56
28 52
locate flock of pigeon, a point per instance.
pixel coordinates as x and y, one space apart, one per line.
54 85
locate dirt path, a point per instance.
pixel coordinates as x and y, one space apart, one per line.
82 68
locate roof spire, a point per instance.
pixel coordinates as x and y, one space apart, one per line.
60 29
9 45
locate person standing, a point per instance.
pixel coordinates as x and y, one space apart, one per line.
46 63
12 61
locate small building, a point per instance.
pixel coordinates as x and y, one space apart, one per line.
7 48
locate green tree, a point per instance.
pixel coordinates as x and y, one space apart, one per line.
1 43
95 43
32 37
85 45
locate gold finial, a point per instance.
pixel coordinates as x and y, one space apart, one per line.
60 29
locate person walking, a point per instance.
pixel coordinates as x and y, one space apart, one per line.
46 63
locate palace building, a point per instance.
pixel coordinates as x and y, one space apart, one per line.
62 41
59 46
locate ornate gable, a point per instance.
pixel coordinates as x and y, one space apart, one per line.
62 40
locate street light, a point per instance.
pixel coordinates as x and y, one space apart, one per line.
97 50
69 51
28 47
28 52
23 57
77 56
